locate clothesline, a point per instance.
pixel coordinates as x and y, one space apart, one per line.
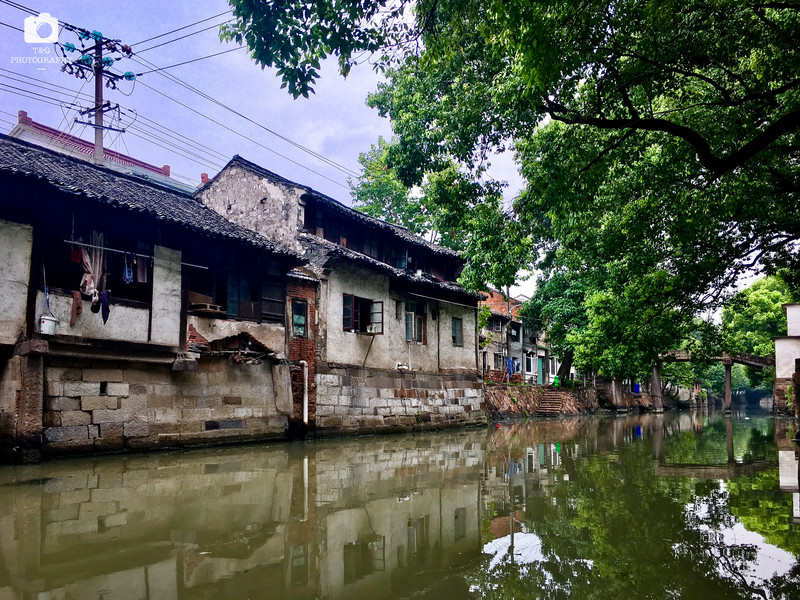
77 243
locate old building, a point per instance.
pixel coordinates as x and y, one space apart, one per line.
133 316
787 357
391 336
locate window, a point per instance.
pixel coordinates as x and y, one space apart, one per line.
299 317
363 557
361 315
416 322
497 325
237 296
458 336
498 361
514 332
528 363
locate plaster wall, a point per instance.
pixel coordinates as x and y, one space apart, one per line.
787 349
255 202
166 307
272 335
15 263
124 322
389 349
792 318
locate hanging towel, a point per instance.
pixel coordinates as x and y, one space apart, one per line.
127 270
77 308
104 306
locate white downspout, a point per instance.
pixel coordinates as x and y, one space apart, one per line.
305 391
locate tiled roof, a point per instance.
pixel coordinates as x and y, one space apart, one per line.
81 178
337 206
329 250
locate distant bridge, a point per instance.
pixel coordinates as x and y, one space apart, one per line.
750 360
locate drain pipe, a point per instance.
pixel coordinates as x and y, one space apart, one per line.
305 391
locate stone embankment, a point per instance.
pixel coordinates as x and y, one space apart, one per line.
504 401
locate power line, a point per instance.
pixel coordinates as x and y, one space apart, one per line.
11 26
183 37
177 80
186 62
19 7
249 139
155 37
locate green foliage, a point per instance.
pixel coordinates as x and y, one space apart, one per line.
667 168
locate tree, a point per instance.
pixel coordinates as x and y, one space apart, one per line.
670 164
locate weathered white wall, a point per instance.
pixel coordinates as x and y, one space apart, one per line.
15 263
786 351
272 335
257 203
391 348
166 317
124 322
793 318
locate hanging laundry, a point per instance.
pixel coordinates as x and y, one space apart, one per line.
77 308
127 269
92 267
104 304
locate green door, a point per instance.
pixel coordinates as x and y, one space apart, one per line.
540 370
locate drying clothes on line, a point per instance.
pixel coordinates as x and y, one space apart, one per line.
77 308
92 268
127 269
104 304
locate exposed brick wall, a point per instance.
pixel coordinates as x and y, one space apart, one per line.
353 399
303 348
92 405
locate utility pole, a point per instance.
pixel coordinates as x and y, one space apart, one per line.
92 63
98 104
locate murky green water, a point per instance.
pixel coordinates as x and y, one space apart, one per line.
679 506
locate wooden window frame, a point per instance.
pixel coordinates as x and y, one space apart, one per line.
457 332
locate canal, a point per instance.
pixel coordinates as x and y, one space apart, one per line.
688 505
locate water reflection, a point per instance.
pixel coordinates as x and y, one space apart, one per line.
655 506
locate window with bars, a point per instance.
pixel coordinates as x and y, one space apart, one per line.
458 332
299 318
362 315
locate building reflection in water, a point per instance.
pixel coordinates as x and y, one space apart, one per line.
380 517
336 519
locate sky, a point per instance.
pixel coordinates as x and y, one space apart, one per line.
334 122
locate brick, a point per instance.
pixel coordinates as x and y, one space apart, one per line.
118 389
109 416
98 375
53 388
137 389
116 520
66 434
133 404
75 417
110 430
99 402
136 429
80 388
62 403
51 418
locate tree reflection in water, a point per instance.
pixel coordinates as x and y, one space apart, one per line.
609 523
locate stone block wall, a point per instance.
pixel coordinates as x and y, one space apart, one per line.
350 399
105 405
780 396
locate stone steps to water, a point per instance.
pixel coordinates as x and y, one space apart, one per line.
552 403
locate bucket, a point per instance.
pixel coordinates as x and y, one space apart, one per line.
47 324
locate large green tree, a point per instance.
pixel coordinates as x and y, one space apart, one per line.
659 139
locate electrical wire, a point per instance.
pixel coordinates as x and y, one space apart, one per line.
186 62
181 28
297 145
183 37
